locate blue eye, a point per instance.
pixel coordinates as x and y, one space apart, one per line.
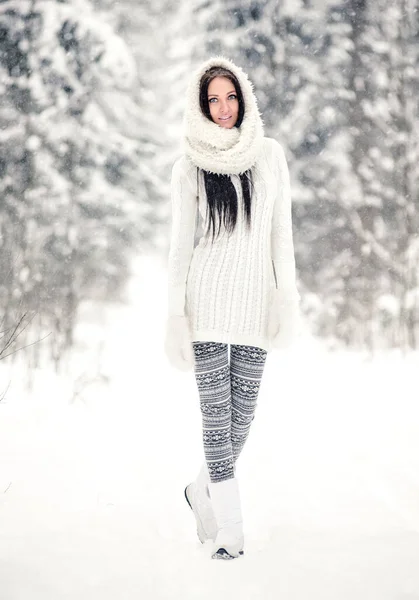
234 96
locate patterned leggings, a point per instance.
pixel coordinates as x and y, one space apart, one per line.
228 398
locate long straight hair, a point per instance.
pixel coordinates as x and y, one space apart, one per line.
220 190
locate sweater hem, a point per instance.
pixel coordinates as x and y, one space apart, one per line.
209 335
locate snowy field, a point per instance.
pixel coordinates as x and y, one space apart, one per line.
92 473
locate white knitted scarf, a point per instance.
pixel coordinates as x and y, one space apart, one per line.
214 148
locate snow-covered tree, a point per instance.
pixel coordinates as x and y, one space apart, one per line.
367 269
70 206
394 113
138 23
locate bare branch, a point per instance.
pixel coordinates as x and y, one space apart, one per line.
13 335
27 346
2 397
15 332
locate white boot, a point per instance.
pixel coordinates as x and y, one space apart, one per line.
227 510
197 496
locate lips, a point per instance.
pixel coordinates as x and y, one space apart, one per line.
224 118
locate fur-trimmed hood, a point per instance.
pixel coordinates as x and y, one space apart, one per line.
214 148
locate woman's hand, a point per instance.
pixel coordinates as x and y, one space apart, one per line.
178 343
284 322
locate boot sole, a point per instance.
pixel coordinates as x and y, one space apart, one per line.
222 554
187 499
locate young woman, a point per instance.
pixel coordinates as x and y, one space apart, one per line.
231 279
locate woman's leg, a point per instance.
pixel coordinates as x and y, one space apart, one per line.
212 373
246 369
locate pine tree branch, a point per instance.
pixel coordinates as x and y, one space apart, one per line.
375 245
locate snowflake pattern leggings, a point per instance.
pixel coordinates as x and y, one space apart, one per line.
228 398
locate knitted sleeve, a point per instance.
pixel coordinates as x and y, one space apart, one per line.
184 208
282 245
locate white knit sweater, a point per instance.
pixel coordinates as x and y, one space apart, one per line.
225 288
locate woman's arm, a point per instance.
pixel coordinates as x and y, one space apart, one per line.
284 316
184 207
282 246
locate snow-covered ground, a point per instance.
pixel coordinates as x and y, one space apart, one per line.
92 473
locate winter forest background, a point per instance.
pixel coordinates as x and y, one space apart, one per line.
92 100
96 451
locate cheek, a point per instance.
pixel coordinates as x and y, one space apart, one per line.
212 109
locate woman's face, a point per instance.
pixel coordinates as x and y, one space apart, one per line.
223 102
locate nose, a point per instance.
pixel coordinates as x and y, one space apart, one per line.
223 106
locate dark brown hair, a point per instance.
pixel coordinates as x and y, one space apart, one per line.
220 190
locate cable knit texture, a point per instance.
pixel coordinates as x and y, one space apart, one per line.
241 288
